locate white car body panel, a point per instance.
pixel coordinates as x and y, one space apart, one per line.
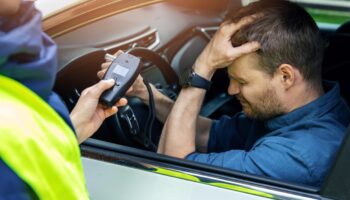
112 181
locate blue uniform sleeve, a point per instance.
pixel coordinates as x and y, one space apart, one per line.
12 187
58 105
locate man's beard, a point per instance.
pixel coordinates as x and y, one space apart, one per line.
268 106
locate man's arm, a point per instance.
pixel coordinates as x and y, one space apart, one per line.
164 105
179 132
184 131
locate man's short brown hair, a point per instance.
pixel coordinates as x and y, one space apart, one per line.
287 34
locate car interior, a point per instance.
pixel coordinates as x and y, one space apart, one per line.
167 36
168 40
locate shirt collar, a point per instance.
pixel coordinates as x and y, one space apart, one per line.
315 108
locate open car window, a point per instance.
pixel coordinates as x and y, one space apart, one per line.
328 11
334 12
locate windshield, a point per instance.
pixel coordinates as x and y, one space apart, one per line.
49 7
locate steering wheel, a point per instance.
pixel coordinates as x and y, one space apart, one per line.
130 124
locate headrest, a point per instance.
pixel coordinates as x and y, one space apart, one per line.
344 28
337 52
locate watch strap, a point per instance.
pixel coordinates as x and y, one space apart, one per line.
198 81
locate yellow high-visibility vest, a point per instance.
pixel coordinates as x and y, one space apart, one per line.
37 144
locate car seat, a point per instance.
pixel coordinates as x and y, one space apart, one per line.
337 182
344 28
335 67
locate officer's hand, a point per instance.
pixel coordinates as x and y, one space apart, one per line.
88 115
219 52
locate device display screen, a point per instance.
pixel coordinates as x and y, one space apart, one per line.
120 70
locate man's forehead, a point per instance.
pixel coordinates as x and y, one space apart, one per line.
243 63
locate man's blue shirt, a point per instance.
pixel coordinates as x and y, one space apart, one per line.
297 147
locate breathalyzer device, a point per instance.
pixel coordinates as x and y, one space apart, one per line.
124 69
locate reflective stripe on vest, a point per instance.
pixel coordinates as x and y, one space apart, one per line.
38 145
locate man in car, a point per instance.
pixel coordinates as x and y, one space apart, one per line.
292 122
39 153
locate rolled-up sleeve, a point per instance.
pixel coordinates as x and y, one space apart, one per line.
228 133
277 160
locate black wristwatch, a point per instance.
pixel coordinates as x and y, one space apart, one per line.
191 79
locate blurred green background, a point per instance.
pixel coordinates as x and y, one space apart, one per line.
329 16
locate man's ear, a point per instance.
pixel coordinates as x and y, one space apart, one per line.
287 75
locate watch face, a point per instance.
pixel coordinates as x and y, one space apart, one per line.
190 79
185 77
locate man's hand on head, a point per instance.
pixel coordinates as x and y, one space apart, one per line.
219 52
